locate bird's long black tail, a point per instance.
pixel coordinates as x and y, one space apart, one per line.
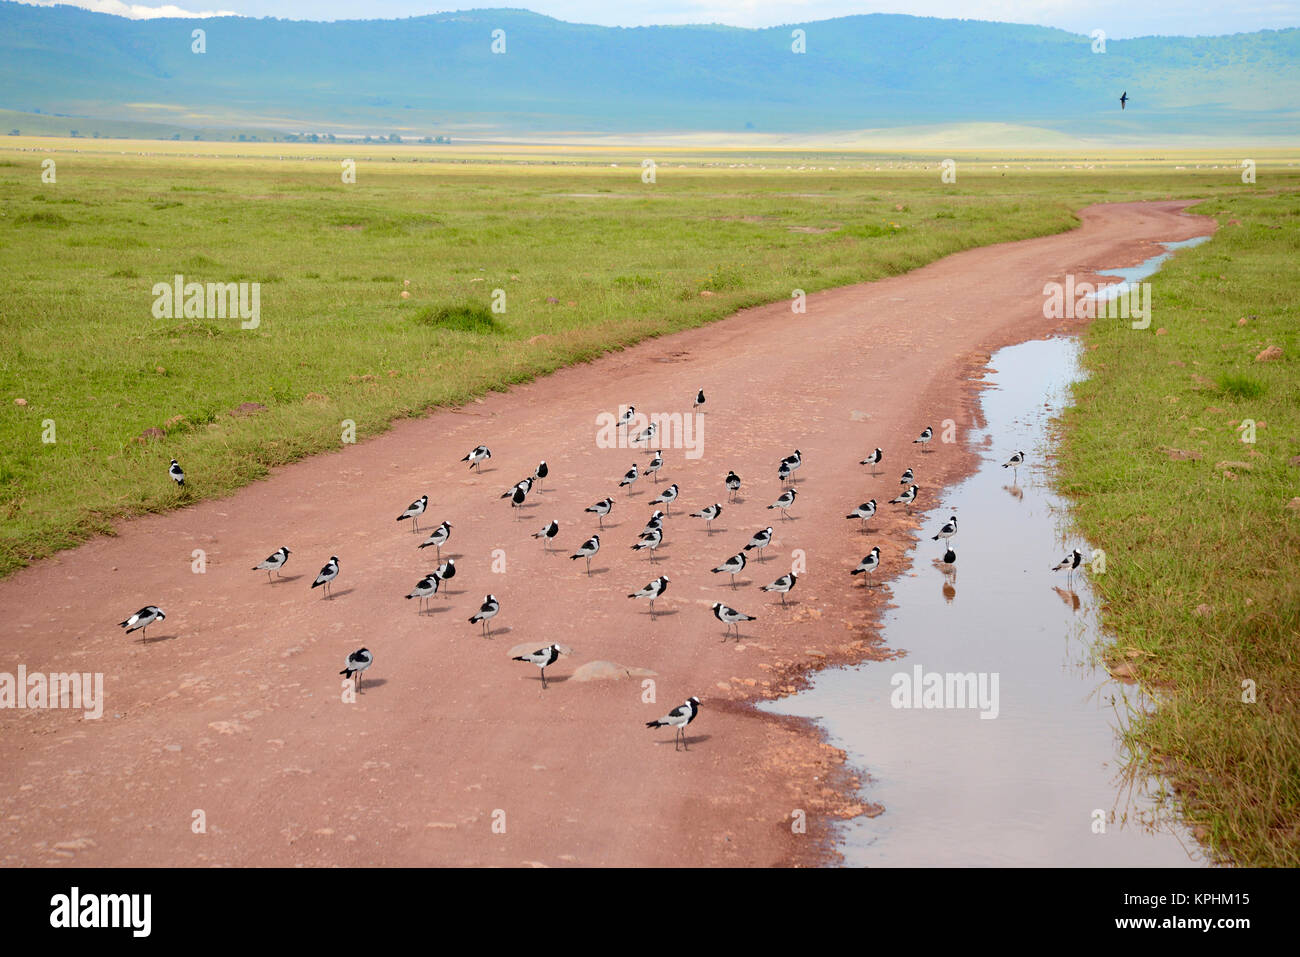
654 724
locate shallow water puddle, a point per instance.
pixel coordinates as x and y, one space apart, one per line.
1027 786
1144 269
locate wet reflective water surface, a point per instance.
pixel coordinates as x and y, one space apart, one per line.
1034 784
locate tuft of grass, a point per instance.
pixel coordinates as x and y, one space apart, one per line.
1201 583
462 317
1240 386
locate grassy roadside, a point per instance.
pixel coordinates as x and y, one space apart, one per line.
1202 589
590 259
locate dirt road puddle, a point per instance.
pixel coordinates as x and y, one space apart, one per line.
1023 761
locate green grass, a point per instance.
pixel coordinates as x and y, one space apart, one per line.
589 258
1202 588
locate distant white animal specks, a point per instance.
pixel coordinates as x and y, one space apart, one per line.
273 562
548 532
486 612
477 456
601 508
868 565
924 438
708 513
414 511
730 617
630 476
327 574
177 473
667 497
782 585
784 502
438 538
678 719
541 658
357 662
652 591
586 550
142 619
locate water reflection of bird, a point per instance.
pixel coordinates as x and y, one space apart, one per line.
1069 597
1015 491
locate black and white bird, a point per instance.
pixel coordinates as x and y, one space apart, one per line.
869 564
273 562
923 439
874 459
357 662
486 612
656 522
630 476
907 478
548 532
517 498
177 473
524 484
477 456
948 531
667 497
327 575
414 511
541 472
438 538
906 497
445 573
1017 459
863 512
708 513
601 508
729 617
587 549
655 465
732 566
784 502
646 434
541 657
733 486
699 399
652 591
678 719
791 463
760 541
650 539
783 471
142 619
782 585
626 418
426 587
1070 562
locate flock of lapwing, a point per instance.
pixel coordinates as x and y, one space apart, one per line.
648 540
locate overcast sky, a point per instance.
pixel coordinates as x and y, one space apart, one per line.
1119 18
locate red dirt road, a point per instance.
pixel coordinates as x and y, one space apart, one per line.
234 706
